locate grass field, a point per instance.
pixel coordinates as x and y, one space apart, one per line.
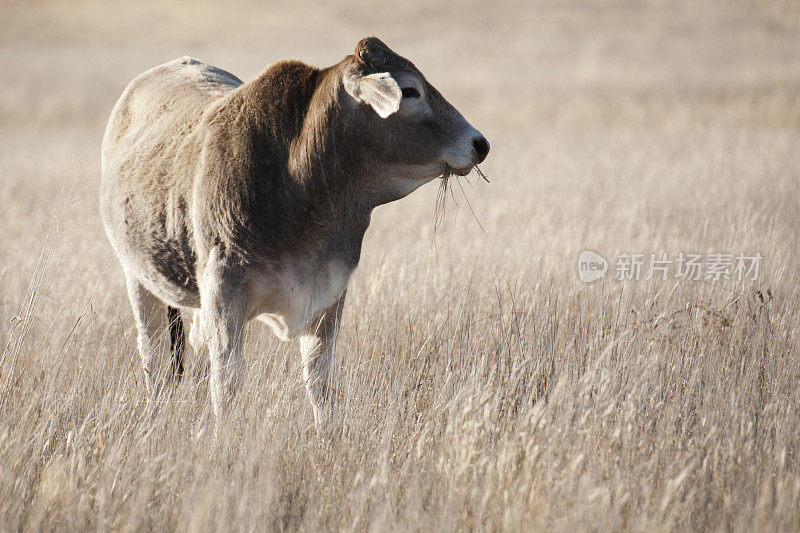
485 386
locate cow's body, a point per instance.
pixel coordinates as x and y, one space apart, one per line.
163 121
149 159
251 200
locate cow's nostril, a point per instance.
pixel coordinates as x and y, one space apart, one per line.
481 147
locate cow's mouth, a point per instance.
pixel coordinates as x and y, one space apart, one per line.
449 171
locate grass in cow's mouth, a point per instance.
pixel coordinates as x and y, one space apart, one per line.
481 174
441 198
441 201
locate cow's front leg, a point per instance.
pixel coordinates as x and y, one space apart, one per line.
317 347
222 320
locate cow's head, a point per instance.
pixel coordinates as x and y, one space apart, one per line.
406 125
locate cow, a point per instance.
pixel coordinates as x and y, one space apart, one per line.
246 201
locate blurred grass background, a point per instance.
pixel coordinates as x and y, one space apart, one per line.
485 386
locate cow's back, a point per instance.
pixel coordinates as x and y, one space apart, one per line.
150 152
165 99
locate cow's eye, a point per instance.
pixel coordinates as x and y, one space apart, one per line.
410 92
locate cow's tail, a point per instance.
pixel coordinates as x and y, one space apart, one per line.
177 341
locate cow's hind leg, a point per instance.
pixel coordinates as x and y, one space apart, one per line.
201 370
177 341
153 325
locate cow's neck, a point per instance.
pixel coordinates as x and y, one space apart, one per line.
330 197
324 206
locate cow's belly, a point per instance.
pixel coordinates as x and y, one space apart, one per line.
155 246
162 269
294 301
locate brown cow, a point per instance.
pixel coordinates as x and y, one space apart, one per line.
250 200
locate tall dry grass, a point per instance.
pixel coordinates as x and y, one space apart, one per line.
484 386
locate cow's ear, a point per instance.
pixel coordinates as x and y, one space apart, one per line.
380 91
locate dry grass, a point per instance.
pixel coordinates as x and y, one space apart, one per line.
484 385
